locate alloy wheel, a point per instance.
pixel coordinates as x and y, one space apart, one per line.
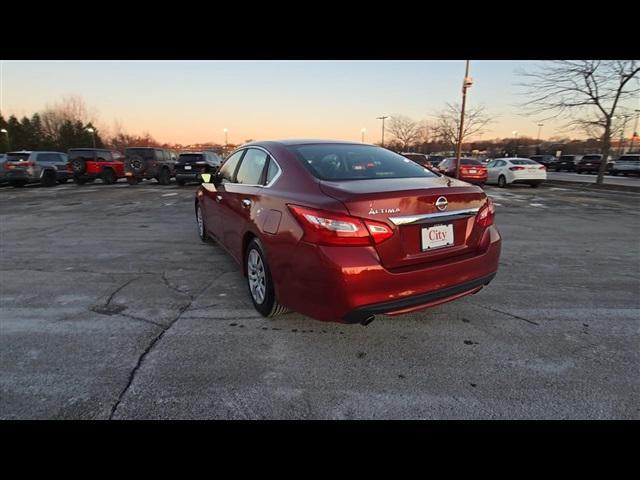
257 276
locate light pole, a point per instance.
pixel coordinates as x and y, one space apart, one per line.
466 83
383 119
624 128
540 125
363 130
635 131
515 136
225 138
5 131
93 137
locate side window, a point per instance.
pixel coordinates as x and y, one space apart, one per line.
167 156
106 155
45 157
159 157
252 166
272 171
229 167
492 164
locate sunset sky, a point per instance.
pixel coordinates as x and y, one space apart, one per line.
193 101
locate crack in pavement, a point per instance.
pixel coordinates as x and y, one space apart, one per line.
153 343
171 287
509 314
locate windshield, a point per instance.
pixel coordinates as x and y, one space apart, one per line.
329 161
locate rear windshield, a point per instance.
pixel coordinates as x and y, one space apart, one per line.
146 153
591 157
630 158
468 161
329 161
191 157
523 162
17 157
567 157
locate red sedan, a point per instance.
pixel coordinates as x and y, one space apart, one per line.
343 232
472 171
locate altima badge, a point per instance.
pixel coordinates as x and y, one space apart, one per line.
442 204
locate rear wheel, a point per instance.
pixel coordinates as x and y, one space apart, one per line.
109 176
164 177
259 281
48 179
132 180
502 181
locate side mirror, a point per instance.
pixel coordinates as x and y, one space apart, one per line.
206 177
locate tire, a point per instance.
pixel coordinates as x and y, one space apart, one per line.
502 181
79 180
164 177
63 180
109 176
48 179
202 231
135 164
259 281
181 183
79 165
132 180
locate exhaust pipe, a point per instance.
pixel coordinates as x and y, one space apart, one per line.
367 320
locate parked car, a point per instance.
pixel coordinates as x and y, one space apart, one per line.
147 163
548 161
591 164
435 160
505 171
191 164
46 168
626 164
419 158
88 164
472 171
3 170
566 162
342 232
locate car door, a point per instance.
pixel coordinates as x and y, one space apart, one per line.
491 171
214 194
240 198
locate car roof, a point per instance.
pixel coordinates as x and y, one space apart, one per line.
303 141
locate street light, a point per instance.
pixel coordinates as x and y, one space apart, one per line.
225 137
4 130
93 137
383 119
363 130
515 136
466 83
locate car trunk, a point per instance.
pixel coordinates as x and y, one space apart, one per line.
191 163
405 197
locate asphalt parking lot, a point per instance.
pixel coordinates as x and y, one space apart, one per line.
111 307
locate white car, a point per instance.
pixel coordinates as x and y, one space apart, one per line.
504 171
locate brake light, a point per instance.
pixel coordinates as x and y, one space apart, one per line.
516 168
20 164
328 228
486 215
542 167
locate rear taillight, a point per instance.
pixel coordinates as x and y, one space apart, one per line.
20 164
328 228
542 167
486 214
516 168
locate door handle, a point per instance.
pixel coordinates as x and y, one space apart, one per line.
246 203
218 198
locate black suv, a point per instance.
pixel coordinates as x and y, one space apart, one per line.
547 160
149 162
191 164
567 162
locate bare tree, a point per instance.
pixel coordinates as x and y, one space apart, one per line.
447 126
586 93
72 109
405 130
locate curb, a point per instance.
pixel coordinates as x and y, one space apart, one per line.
593 186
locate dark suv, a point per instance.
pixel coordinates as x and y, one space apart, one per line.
566 162
591 164
548 161
87 164
149 162
192 164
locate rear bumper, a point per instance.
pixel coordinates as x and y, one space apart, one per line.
349 284
20 176
188 177
474 180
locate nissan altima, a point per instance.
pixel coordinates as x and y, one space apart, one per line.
345 231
